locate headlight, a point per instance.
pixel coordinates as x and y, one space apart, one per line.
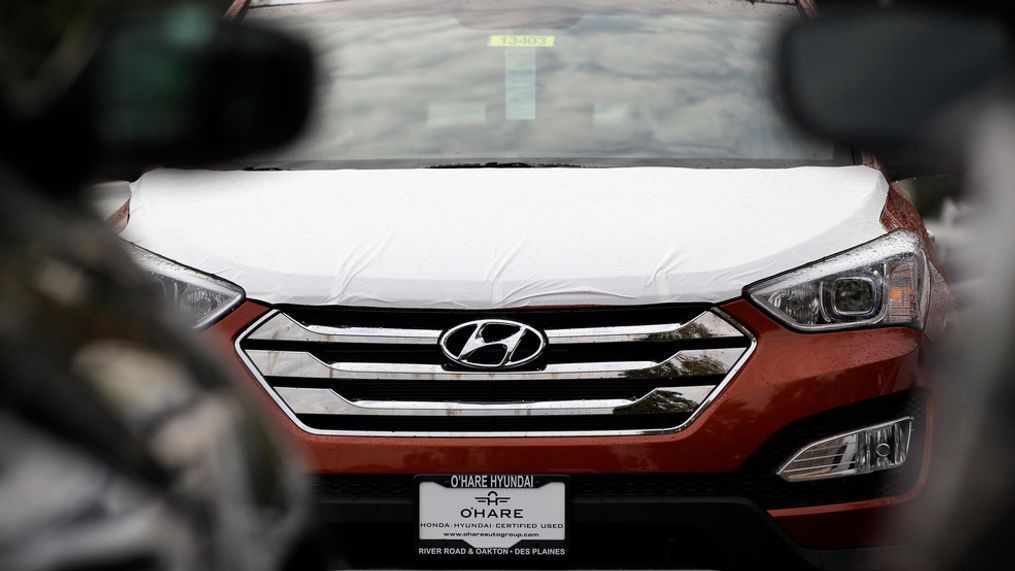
201 298
883 282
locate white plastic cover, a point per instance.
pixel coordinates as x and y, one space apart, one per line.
499 238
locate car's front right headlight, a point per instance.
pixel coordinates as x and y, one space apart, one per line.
883 282
201 298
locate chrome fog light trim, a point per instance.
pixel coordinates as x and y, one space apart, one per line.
870 449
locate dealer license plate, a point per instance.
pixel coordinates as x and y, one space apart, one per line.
492 515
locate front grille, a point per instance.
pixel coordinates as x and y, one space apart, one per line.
366 371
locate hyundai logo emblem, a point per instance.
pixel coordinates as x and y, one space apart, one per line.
492 344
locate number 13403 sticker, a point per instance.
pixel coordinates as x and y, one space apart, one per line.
501 41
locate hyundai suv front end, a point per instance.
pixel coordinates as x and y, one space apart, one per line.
555 284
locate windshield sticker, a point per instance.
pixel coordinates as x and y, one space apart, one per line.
520 84
506 41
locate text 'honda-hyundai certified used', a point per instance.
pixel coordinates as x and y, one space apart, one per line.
555 284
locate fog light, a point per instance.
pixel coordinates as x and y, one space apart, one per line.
867 450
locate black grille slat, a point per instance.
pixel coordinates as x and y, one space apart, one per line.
355 352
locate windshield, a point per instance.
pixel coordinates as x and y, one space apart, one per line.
681 83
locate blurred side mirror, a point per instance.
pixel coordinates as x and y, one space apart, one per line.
878 78
185 88
929 194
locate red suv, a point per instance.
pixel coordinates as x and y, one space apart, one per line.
554 284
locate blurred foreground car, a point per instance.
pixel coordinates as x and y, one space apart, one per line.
126 445
554 283
933 80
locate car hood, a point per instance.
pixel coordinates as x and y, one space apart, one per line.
498 238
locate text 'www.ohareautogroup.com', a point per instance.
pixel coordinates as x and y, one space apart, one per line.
481 530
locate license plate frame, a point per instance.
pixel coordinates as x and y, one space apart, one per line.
445 531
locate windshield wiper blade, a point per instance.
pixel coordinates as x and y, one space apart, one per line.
503 165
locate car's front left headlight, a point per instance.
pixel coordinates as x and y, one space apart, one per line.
883 282
201 298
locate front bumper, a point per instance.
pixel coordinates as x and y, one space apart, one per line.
792 380
613 533
723 520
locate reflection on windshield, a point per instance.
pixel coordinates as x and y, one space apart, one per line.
683 84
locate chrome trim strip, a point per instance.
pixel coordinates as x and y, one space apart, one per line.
689 363
733 371
284 328
706 325
814 458
840 470
327 401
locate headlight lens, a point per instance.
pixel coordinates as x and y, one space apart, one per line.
883 282
202 299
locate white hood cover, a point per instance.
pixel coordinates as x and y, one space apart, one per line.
499 238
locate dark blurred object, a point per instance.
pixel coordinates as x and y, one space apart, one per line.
936 85
174 87
187 90
878 79
126 445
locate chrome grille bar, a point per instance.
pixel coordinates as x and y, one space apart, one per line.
281 327
707 325
304 365
327 401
